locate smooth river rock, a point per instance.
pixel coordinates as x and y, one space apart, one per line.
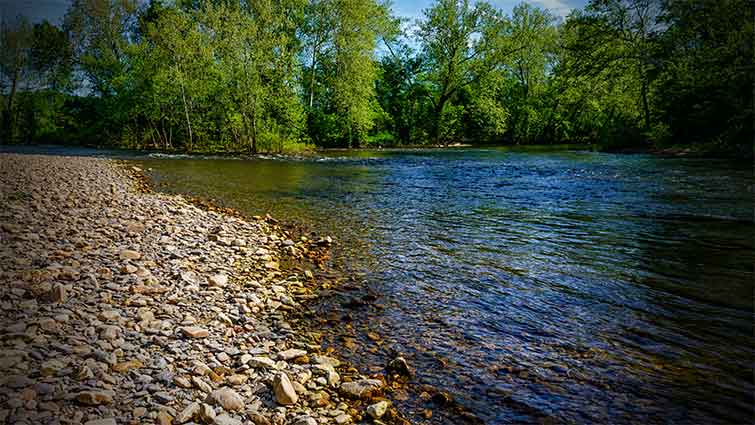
284 391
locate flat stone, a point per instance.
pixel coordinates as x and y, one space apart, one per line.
361 387
195 332
94 398
126 366
218 280
261 362
164 418
305 420
108 421
229 399
291 354
325 360
226 419
128 254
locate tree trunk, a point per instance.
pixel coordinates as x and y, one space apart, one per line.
188 121
9 114
312 79
645 106
254 127
439 118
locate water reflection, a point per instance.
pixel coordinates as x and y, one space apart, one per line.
570 287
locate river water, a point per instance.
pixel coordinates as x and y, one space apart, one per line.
562 287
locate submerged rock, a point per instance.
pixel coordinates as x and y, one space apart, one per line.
361 388
377 410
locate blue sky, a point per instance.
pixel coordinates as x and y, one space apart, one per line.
53 10
413 8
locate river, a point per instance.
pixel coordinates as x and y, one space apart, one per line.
563 287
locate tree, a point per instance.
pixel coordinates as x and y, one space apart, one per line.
317 35
530 70
617 36
354 42
462 45
705 87
15 59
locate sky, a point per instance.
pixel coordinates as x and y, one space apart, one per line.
412 9
53 10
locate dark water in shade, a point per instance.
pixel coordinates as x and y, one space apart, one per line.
570 287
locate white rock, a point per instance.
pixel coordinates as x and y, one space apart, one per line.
219 280
284 391
291 354
378 409
227 398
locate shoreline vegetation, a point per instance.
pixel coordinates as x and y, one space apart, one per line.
296 75
676 151
125 303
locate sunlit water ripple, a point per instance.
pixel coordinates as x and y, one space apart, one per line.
574 287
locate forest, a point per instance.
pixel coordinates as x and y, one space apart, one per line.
293 75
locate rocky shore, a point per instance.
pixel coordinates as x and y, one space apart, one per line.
121 307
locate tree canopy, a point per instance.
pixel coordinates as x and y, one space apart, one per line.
273 76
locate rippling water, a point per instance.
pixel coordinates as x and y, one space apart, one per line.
571 287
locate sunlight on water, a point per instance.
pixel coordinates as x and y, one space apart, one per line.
570 286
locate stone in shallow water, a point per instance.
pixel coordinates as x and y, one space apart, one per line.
378 409
361 387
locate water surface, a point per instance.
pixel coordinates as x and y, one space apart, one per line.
572 287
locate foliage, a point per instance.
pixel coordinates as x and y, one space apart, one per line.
273 76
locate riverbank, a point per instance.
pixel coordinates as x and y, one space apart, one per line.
128 307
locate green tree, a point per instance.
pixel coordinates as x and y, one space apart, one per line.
705 87
530 70
462 45
16 40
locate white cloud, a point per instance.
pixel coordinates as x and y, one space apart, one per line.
557 7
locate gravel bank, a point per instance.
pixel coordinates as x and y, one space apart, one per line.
124 307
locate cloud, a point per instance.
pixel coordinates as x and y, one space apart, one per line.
557 7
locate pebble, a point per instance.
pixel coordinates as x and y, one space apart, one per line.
226 419
195 332
108 421
227 398
148 309
377 410
219 280
188 413
361 387
94 398
291 354
284 391
128 254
